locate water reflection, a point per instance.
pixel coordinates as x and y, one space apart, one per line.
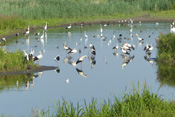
81 72
126 60
20 81
165 74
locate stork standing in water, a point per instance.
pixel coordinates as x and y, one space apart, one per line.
66 47
45 27
139 38
27 31
37 58
81 59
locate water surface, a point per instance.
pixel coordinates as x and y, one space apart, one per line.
103 78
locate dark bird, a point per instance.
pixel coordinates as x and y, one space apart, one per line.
57 58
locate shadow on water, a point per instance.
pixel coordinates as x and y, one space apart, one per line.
165 74
19 81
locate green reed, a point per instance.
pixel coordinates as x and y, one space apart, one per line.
17 14
166 48
137 103
14 61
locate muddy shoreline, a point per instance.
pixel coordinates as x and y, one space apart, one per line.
143 19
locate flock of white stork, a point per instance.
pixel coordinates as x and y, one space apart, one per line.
125 48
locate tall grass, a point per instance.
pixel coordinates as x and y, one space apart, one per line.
38 9
19 13
13 61
144 103
166 48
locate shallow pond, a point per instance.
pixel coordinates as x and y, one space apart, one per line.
104 77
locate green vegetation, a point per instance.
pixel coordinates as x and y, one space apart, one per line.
8 82
14 61
166 73
144 103
166 48
17 14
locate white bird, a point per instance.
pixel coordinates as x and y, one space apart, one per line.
92 47
139 38
3 39
31 54
172 29
149 49
66 47
37 58
86 36
42 36
26 55
81 59
67 81
115 47
72 51
45 27
81 72
124 51
37 34
69 27
27 31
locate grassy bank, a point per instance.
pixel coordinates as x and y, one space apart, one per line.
166 48
14 61
137 103
20 13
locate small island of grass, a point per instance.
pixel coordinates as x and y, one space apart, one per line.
14 61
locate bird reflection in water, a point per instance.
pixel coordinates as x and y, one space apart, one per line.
57 70
81 72
148 59
92 61
126 60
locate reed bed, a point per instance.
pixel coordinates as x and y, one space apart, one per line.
166 48
14 61
137 103
19 13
